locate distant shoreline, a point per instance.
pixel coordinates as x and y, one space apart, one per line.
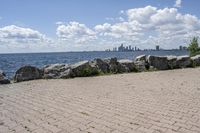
92 51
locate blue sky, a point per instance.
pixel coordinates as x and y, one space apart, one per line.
75 25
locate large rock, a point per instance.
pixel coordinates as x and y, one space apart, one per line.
102 65
141 66
141 63
2 75
183 61
54 68
84 69
26 73
3 79
67 74
141 58
196 60
129 65
158 62
55 71
172 62
115 66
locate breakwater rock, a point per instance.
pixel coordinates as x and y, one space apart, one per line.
104 66
3 79
26 73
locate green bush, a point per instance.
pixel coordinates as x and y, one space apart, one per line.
89 72
194 47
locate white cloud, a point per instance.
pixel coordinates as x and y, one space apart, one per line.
164 16
74 31
142 15
12 32
60 23
19 39
167 26
120 19
104 27
178 3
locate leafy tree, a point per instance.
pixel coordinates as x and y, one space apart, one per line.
194 47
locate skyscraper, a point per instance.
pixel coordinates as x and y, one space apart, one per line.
157 47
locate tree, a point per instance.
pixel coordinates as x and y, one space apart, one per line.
194 47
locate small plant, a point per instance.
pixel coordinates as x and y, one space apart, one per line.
194 47
89 72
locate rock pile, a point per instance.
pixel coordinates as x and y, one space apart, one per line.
103 66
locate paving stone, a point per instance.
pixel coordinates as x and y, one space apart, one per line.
103 105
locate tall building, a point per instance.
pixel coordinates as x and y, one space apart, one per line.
129 48
121 48
180 47
114 49
157 47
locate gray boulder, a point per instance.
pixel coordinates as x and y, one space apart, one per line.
3 79
141 66
84 69
26 73
172 62
129 65
196 60
2 75
183 61
158 62
67 74
115 66
102 65
53 68
55 71
141 58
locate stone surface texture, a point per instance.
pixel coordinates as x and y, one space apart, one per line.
149 102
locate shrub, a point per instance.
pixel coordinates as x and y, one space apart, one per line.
89 72
194 47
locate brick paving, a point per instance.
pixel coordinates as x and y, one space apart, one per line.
151 102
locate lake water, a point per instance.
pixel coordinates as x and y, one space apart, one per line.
9 63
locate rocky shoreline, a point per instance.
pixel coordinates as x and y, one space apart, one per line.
101 66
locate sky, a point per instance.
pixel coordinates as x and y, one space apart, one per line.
86 25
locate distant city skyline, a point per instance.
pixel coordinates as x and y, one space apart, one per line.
130 48
77 25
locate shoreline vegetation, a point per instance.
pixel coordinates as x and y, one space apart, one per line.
142 63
